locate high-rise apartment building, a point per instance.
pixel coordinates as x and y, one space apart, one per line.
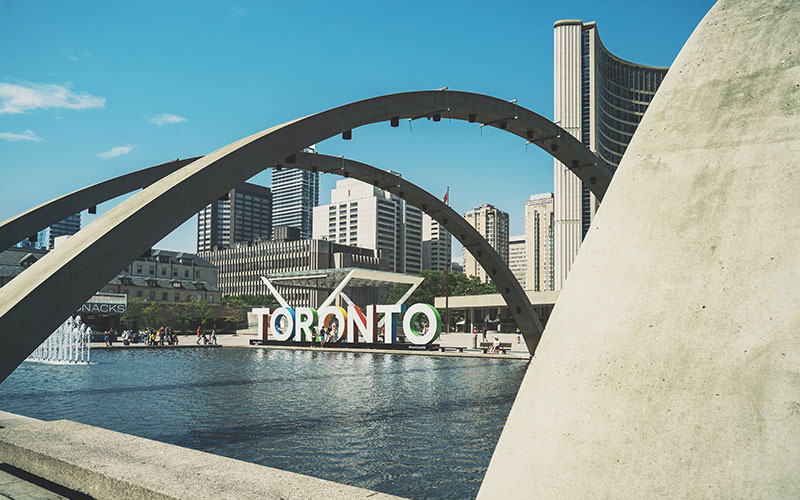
539 234
436 245
244 214
295 193
600 99
368 217
492 224
45 239
518 259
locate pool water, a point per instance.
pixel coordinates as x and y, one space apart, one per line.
414 426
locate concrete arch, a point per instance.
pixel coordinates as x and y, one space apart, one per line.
21 226
32 305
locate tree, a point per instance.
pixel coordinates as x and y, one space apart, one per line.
256 300
152 315
434 286
133 311
203 311
183 314
235 310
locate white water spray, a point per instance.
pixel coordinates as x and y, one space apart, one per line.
69 344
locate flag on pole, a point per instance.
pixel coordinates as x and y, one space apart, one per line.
446 195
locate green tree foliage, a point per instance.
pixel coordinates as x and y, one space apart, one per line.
255 300
202 311
152 315
133 311
434 286
182 312
235 310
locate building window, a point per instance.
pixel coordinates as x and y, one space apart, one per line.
139 293
164 296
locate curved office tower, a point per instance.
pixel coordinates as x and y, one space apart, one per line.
600 99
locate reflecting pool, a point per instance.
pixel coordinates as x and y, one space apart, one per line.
414 426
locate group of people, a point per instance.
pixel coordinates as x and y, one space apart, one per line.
205 339
328 333
151 336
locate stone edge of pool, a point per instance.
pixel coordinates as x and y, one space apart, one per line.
243 342
107 464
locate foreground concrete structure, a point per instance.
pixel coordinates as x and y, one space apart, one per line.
669 367
76 270
110 465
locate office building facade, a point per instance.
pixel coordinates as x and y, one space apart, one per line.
600 99
295 193
244 214
365 216
518 259
539 236
492 224
436 245
242 264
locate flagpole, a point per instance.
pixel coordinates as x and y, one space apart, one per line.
447 273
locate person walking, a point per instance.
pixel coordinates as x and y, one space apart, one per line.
519 334
198 335
213 336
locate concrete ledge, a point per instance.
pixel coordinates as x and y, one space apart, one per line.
12 420
110 465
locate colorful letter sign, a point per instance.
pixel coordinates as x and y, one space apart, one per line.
286 323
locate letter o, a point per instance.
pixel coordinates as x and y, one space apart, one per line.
324 316
282 312
434 322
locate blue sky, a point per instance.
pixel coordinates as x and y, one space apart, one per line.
92 90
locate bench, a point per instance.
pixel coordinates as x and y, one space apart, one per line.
504 346
444 348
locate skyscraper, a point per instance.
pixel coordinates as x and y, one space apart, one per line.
363 215
539 227
600 99
436 245
295 193
244 214
518 259
492 224
46 237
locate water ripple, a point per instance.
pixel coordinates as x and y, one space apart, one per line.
415 426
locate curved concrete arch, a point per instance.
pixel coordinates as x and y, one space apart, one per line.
21 226
60 281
